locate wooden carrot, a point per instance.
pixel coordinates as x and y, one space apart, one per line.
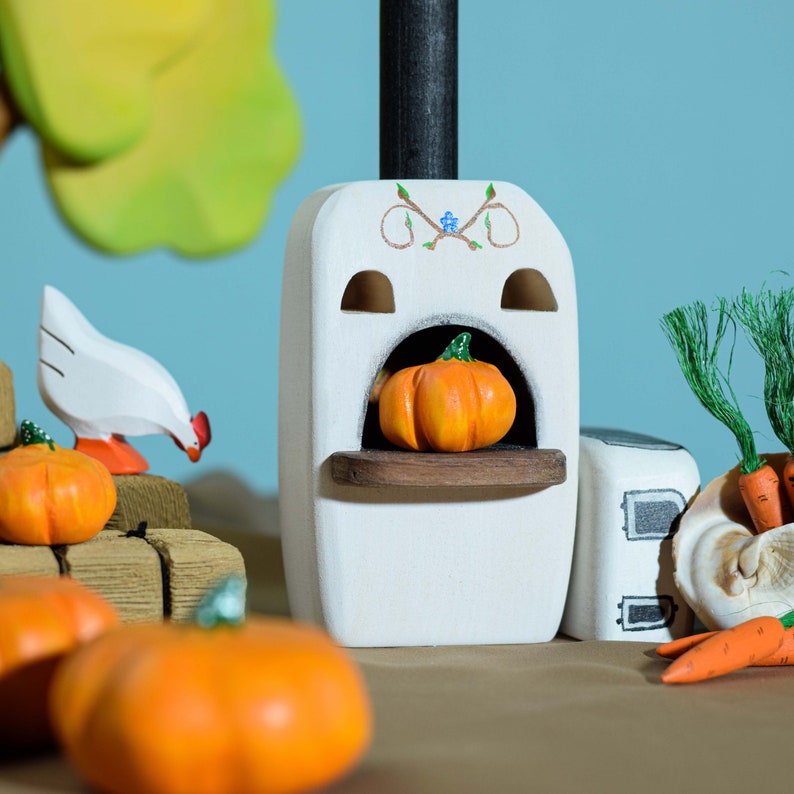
674 648
765 499
728 650
687 329
784 655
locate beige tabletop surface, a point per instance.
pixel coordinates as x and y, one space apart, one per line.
565 716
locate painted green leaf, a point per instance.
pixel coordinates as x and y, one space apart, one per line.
81 71
408 221
427 245
402 192
490 192
488 220
224 132
476 244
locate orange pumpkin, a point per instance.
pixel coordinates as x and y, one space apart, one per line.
41 619
453 404
51 495
267 705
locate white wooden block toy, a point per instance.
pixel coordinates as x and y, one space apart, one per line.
390 547
632 490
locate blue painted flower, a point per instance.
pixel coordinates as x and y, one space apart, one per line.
449 223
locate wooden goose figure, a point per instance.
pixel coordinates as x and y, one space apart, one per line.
104 390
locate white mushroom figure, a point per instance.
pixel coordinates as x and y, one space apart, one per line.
725 571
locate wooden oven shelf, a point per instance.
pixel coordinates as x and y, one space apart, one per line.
508 466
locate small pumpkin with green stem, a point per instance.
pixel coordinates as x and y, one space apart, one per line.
453 404
223 706
51 495
42 619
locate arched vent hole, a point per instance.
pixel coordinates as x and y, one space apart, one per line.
368 291
528 290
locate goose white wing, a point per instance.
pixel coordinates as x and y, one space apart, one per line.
99 386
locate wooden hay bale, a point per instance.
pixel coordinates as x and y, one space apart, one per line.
8 421
146 573
29 560
151 499
194 561
125 570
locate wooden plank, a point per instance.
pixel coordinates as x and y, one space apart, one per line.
492 467
264 565
29 560
125 570
8 422
146 497
194 561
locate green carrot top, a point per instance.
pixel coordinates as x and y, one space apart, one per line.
767 319
687 331
787 620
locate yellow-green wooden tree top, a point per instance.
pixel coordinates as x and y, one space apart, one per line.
162 122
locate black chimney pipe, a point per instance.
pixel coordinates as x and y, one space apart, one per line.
418 89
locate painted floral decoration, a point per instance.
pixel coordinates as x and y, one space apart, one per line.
449 224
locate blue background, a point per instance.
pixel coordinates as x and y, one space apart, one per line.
657 136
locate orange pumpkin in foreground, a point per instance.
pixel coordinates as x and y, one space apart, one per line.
42 618
51 495
453 404
268 706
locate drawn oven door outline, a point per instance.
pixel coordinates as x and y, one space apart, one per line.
652 514
646 613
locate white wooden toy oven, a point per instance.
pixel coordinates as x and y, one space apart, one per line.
386 547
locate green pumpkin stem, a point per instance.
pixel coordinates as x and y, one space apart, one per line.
223 605
31 433
458 348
